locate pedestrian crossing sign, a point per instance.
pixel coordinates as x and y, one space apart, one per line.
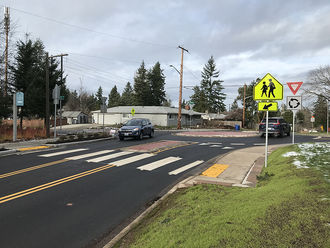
268 88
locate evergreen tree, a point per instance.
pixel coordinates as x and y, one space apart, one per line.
142 91
212 87
199 99
127 96
156 81
28 76
114 98
99 95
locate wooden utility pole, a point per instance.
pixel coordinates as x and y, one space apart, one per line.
243 122
180 94
7 24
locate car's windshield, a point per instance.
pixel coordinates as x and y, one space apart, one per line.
270 121
133 123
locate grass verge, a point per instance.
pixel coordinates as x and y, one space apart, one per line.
288 208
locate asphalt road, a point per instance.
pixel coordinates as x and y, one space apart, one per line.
75 199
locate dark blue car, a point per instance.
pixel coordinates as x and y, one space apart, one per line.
137 128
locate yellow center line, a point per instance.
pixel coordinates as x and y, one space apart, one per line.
33 148
32 168
52 184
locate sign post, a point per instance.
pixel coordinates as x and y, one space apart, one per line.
61 99
18 101
56 97
294 104
103 109
14 118
267 90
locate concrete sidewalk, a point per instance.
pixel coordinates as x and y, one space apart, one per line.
243 167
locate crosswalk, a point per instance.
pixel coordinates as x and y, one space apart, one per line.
107 156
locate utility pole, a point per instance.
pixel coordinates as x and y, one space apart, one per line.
243 122
47 88
47 96
7 24
180 95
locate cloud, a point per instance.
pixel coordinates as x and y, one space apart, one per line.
246 38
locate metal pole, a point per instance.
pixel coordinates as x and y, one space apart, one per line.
14 118
266 144
244 106
327 117
60 114
103 122
47 97
55 122
293 121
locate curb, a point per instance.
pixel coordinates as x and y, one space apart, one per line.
138 220
185 183
11 151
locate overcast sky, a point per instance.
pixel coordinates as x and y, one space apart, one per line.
107 39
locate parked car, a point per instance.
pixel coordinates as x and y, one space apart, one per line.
276 126
137 128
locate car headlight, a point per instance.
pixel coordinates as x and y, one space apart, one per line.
136 129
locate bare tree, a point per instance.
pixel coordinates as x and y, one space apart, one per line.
319 82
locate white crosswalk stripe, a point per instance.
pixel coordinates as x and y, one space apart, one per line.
87 155
63 152
132 159
237 144
159 163
107 157
208 143
186 167
259 144
227 148
215 146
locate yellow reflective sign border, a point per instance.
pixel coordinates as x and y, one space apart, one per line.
268 88
270 106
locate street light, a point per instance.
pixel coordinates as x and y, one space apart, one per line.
180 97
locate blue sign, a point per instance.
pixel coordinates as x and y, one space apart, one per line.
19 99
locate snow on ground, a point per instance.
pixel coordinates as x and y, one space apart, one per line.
312 155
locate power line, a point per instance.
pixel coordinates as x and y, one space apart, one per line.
94 69
91 30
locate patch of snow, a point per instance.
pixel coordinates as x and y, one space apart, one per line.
299 165
290 154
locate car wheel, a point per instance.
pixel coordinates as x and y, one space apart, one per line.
151 134
121 138
140 136
288 133
262 135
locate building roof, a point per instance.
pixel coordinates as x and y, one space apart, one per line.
148 110
72 114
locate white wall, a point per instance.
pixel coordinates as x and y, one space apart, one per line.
113 119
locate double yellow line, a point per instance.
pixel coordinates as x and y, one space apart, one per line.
32 168
52 184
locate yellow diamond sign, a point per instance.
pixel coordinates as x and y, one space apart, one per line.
268 88
270 106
